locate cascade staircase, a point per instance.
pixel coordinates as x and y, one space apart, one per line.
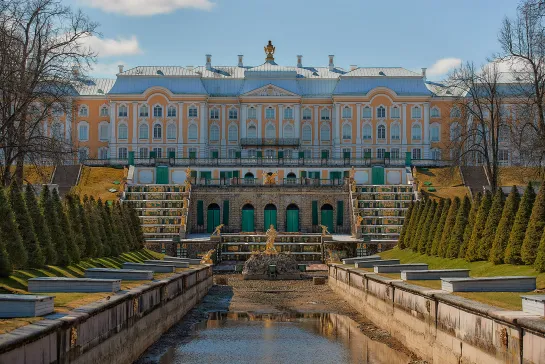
474 178
66 177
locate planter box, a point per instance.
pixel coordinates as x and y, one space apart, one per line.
489 284
397 268
18 305
162 262
424 275
62 284
361 259
124 274
372 263
156 268
534 305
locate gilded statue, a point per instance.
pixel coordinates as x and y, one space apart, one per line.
183 222
188 174
184 201
269 51
271 237
187 186
352 173
324 230
270 179
207 258
217 231
359 220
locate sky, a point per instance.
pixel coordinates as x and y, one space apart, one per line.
436 34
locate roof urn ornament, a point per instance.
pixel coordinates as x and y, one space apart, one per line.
269 51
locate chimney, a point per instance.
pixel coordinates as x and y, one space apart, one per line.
331 65
424 73
75 71
120 68
299 61
353 67
240 63
209 62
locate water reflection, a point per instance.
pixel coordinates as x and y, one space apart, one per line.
231 337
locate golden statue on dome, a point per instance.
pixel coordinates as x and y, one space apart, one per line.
269 51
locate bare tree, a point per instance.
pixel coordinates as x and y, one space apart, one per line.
41 45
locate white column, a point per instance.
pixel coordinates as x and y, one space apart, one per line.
180 129
68 122
336 121
280 121
297 116
404 130
242 128
426 148
259 117
203 132
134 122
113 143
316 141
223 151
358 131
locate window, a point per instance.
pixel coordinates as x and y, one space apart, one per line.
367 132
252 131
158 152
103 153
288 113
57 110
192 131
381 112
123 131
503 134
56 131
416 112
455 112
232 153
380 153
324 114
157 131
367 151
434 133
122 153
269 113
157 111
83 134
417 153
192 152
347 131
324 133
233 133
288 131
307 153
171 111
104 132
394 153
104 111
233 114
455 131
122 112
192 112
252 113
144 111
366 112
434 112
171 151
381 132
143 131
252 153
214 133
416 132
214 114
436 154
395 112
394 131
307 114
143 153
269 154
503 156
83 111
83 153
347 112
171 131
270 131
307 133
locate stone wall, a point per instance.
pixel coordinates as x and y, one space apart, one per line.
440 327
118 330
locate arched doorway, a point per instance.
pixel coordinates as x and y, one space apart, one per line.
249 178
248 218
291 178
213 217
292 219
327 216
269 216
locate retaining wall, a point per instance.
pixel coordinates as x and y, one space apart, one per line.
117 330
441 327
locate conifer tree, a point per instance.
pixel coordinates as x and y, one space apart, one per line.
58 239
497 253
413 223
449 225
456 237
5 264
92 240
539 263
95 224
9 233
406 221
439 230
516 237
24 223
418 234
470 224
40 227
123 228
112 239
478 228
127 220
534 231
492 221
76 231
434 224
422 243
137 227
72 244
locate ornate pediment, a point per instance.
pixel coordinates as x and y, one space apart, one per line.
270 90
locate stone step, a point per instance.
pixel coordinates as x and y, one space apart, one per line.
156 268
19 305
372 263
361 259
191 261
424 275
534 304
163 262
398 268
124 274
63 284
489 284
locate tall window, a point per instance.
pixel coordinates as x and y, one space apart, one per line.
214 114
416 112
367 132
307 114
417 153
157 131
157 111
83 132
122 153
307 133
347 112
171 151
455 131
171 112
503 133
122 111
171 131
436 154
288 131
416 132
395 112
103 153
503 156
381 112
192 131
252 113
380 153
192 112
83 153
233 114
104 132
83 111
158 152
381 132
434 112
455 112
269 113
324 114
395 131
214 133
233 133
143 131
325 133
366 113
434 133
232 153
144 111
347 131
252 131
104 111
143 153
123 131
394 153
270 131
288 113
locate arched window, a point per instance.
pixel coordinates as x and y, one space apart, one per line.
122 111
325 133
192 112
122 131
455 131
367 132
307 114
455 112
233 133
394 114
288 113
83 132
394 131
434 112
143 131
288 131
416 112
157 131
324 114
144 111
269 113
157 111
381 132
252 113
233 114
214 114
416 132
214 133
504 133
366 112
347 112
171 112
192 131
171 131
270 131
307 133
83 111
347 131
381 112
104 111
252 131
434 132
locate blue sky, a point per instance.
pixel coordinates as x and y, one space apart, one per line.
408 33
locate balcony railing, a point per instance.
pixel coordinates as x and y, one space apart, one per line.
258 142
290 182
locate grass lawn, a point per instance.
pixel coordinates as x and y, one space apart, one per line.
447 182
96 181
518 175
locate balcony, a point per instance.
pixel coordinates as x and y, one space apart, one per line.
262 142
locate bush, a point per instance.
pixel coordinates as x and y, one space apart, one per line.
58 237
440 225
40 227
423 242
470 224
492 221
9 233
534 231
505 225
420 226
405 227
433 226
478 228
456 237
449 225
516 237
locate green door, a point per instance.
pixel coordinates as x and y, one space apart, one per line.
213 218
206 175
161 173
269 217
327 217
292 219
248 219
408 158
378 175
335 175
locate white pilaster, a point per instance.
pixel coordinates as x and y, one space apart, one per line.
68 121
134 122
297 119
336 137
113 115
203 132
180 129
259 118
280 121
316 141
358 131
426 148
223 152
404 130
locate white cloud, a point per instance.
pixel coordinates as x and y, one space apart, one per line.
106 47
443 66
147 7
108 69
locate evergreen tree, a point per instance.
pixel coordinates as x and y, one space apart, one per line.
76 230
9 233
534 231
414 228
440 226
137 227
123 228
112 239
492 221
413 223
72 244
433 227
407 219
449 225
539 263
24 223
92 240
478 228
40 227
5 264
516 237
422 243
504 227
96 225
127 220
470 224
421 220
456 237
57 235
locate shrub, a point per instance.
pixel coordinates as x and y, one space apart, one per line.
449 225
497 253
478 228
534 231
440 225
470 224
492 221
9 233
456 237
516 237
